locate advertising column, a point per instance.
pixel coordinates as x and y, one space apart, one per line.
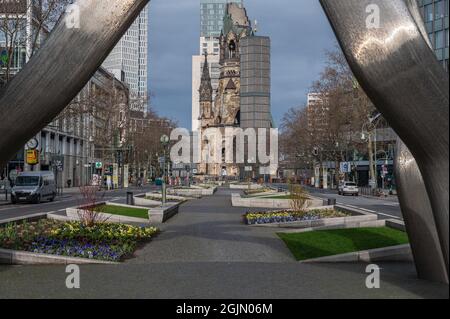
125 176
317 176
325 177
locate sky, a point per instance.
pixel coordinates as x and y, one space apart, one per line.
300 35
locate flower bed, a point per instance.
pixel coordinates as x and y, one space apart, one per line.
104 241
287 216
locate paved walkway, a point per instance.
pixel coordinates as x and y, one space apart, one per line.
206 252
210 230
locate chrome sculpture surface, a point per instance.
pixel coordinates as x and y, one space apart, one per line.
400 73
418 216
60 69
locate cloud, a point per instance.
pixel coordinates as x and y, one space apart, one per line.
299 31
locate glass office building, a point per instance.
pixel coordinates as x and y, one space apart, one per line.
128 60
211 16
435 14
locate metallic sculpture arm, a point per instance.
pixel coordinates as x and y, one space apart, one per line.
417 211
399 72
60 69
418 216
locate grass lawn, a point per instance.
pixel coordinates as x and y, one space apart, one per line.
124 211
323 243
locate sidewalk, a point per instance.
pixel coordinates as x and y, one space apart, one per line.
211 230
206 251
3 201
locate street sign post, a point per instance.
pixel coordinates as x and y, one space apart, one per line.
165 140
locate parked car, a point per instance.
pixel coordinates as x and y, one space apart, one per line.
348 188
34 187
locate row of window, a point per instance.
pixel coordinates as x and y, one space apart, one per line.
440 39
436 10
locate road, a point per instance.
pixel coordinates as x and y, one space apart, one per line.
71 199
385 208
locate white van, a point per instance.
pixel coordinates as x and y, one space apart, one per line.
34 187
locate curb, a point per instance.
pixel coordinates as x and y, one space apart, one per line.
393 253
15 257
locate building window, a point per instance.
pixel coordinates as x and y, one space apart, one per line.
439 43
429 13
439 8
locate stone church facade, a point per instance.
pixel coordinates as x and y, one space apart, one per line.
224 111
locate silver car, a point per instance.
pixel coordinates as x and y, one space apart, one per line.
34 187
348 188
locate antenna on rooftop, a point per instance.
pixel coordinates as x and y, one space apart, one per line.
255 27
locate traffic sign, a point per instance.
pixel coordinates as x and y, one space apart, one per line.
346 167
165 139
98 165
32 157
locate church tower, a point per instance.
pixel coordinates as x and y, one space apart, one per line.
227 103
206 97
224 112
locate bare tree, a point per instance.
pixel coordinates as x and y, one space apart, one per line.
22 32
330 129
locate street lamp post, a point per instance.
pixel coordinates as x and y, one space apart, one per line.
164 141
370 128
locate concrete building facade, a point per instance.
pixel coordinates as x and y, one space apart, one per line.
66 146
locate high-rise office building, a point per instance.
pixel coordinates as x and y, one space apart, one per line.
211 16
128 60
435 15
211 24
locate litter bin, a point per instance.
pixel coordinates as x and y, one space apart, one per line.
130 198
329 202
